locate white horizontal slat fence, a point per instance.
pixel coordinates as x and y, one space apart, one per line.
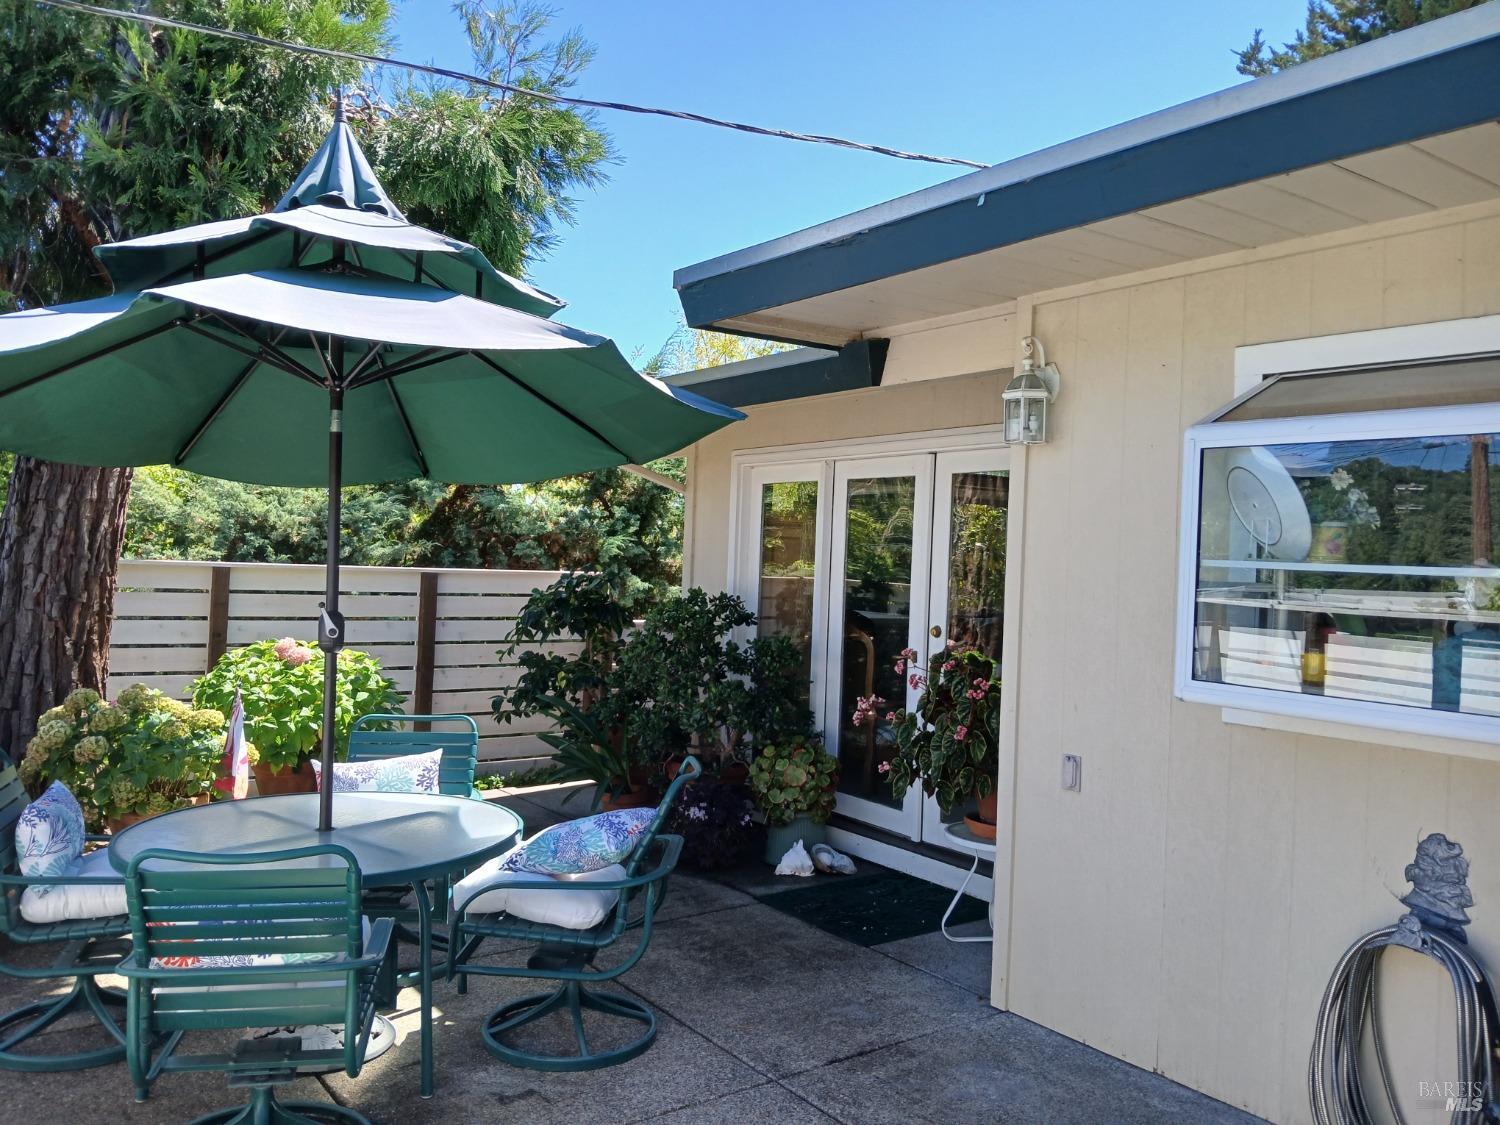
435 632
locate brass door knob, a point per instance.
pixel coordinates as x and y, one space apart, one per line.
936 630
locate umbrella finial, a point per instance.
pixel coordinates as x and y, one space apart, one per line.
339 174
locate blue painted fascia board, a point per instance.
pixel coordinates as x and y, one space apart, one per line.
855 366
1430 95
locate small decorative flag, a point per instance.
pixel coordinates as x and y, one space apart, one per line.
236 779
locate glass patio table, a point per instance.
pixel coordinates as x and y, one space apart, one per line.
399 839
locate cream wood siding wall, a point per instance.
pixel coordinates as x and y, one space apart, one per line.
933 404
1185 909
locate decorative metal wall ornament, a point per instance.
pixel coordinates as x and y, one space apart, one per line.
1439 897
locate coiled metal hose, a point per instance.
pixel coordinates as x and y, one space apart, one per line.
1334 1082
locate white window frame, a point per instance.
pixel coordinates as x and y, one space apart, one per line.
1417 728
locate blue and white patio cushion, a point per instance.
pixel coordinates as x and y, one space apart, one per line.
49 834
405 773
579 909
49 841
578 846
71 902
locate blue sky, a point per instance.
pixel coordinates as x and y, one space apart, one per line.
983 80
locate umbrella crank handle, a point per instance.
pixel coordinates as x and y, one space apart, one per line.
330 629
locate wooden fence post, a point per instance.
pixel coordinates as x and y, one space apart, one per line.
218 614
421 694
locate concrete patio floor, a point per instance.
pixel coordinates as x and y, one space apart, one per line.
762 1018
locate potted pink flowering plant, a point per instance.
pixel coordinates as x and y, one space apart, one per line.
951 742
281 685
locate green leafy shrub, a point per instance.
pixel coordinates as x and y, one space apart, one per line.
281 684
951 742
639 695
793 781
143 754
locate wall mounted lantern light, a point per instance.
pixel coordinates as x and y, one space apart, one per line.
1026 397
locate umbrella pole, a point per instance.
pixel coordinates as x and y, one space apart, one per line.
331 622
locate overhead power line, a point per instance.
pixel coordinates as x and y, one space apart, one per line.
477 80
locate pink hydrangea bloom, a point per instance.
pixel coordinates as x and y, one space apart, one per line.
884 767
285 646
949 665
961 734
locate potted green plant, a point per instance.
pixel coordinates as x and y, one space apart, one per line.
144 754
951 742
281 686
794 786
587 751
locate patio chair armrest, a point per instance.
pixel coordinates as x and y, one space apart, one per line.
59 880
377 945
97 838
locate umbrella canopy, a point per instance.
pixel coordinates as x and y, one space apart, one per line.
229 377
335 208
248 341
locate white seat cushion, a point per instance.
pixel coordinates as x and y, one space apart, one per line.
579 909
63 902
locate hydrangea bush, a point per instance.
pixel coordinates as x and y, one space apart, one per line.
951 742
143 754
281 685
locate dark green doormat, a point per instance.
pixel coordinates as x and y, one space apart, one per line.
874 909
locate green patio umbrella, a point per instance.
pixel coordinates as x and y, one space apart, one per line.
329 342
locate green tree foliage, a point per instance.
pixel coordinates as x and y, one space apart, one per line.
112 131
610 520
508 162
1332 25
115 131
692 349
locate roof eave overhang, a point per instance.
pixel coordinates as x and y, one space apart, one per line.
1427 85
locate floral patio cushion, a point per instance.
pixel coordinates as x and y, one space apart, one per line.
578 846
49 837
405 773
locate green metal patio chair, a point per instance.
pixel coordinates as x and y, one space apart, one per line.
567 955
369 742
86 950
255 941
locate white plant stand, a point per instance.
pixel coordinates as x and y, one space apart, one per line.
961 837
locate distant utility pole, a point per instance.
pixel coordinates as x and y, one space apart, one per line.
1479 492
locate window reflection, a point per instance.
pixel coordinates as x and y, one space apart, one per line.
877 622
788 550
1353 569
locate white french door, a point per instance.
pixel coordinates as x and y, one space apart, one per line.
877 606
858 557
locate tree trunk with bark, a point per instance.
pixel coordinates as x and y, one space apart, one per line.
60 539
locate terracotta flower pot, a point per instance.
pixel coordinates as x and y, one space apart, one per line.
270 781
636 797
118 824
983 823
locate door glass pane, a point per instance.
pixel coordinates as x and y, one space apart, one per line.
877 582
976 561
975 614
788 548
